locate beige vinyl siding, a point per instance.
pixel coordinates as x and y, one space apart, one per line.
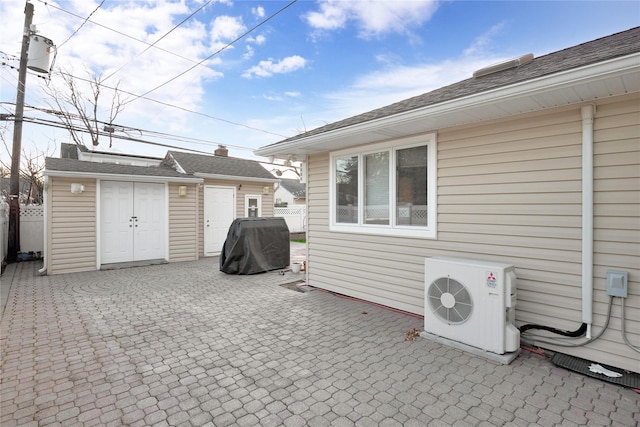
242 188
71 242
510 191
183 223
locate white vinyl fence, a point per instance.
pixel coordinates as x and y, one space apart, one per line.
295 216
31 229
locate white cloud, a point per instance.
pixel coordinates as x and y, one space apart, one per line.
275 98
258 11
226 28
372 17
249 52
481 42
283 97
268 68
138 68
259 39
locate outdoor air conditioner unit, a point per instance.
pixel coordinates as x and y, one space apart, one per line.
471 302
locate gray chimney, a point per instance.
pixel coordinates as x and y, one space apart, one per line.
221 151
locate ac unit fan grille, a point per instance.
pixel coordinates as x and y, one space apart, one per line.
450 300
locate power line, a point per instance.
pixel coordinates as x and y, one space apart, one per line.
155 134
157 41
117 32
166 104
51 123
143 96
81 25
178 107
218 51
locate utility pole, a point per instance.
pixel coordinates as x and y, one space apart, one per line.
13 246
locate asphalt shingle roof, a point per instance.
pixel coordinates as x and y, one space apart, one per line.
218 165
613 46
294 187
72 165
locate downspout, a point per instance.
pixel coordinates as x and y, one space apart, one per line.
588 112
45 203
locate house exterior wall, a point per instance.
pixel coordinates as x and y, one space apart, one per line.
183 223
243 188
284 196
71 224
510 191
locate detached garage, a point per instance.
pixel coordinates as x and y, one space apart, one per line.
98 214
104 209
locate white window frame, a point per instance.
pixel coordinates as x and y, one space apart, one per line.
258 197
428 232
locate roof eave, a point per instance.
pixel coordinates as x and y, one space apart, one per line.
613 77
121 177
235 178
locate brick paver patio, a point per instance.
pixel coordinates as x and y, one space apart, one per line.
186 345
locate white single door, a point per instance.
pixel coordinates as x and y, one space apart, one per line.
116 222
219 213
132 221
149 221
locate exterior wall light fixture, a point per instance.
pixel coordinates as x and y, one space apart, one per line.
77 188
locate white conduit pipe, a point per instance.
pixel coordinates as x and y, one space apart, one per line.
588 111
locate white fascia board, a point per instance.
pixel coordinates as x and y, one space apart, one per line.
589 73
234 178
122 177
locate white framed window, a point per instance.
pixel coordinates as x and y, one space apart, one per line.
387 188
252 206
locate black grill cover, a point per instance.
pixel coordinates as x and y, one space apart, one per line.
255 245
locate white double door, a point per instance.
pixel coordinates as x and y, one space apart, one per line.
132 221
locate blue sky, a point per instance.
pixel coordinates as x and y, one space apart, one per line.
314 62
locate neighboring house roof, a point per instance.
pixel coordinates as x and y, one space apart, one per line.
447 104
295 187
218 166
176 166
71 167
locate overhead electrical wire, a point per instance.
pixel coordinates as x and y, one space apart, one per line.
166 104
157 41
117 32
178 107
52 123
150 45
218 51
151 133
81 25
